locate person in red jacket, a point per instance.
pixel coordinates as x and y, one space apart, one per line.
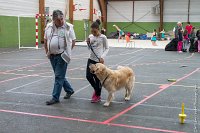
188 27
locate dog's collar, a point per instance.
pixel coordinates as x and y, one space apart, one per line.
105 80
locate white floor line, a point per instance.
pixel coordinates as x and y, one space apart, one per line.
25 85
136 60
118 102
81 89
10 52
128 58
124 53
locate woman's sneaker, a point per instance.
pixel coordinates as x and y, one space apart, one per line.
93 95
96 99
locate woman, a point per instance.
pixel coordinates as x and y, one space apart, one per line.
98 46
185 41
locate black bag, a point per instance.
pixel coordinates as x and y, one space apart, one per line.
172 46
194 46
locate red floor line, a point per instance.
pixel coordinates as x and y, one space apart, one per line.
3 81
147 98
90 121
146 128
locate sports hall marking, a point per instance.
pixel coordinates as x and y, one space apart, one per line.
89 121
88 99
163 62
34 65
33 75
14 51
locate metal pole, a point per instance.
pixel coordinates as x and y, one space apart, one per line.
188 19
133 11
19 32
161 3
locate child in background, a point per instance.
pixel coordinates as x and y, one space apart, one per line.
198 39
185 41
180 40
121 32
163 35
153 39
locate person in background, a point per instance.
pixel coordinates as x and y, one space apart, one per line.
121 32
198 39
176 29
154 38
103 31
185 41
98 46
59 37
188 27
192 39
163 35
180 40
129 34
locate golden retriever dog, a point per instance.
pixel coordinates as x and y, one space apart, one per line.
114 80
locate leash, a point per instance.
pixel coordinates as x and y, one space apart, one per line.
94 52
104 80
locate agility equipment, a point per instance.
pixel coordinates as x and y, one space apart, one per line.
171 80
182 116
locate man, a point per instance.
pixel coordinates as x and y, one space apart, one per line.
175 30
59 38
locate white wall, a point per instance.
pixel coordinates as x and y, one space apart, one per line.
195 11
80 15
120 11
178 11
97 7
143 11
18 7
175 11
55 4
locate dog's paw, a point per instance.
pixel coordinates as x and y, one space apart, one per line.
106 104
127 98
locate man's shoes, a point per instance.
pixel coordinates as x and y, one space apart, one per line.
184 50
51 102
68 95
